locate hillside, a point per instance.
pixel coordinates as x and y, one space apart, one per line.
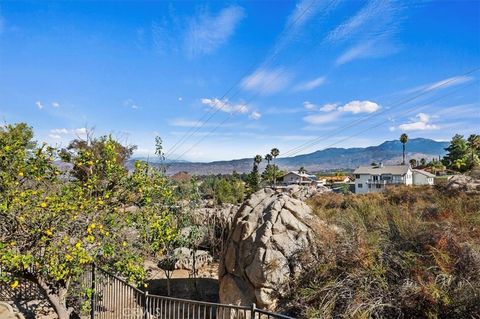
388 152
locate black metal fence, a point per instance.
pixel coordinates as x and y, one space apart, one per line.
114 298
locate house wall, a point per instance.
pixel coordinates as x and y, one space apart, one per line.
421 179
367 187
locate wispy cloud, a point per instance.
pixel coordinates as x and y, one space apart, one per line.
186 123
130 103
309 85
39 105
255 115
446 83
421 122
56 104
370 31
225 106
321 118
265 81
207 32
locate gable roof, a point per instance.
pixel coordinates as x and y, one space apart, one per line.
419 171
300 174
379 170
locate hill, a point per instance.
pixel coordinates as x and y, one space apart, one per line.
389 152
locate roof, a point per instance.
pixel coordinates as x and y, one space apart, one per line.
300 174
379 170
419 171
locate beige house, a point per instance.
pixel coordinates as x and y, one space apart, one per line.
295 177
421 177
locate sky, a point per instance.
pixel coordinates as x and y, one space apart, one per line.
220 80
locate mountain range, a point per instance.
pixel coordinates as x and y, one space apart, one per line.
330 159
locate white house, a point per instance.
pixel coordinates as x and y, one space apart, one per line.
371 179
421 177
295 177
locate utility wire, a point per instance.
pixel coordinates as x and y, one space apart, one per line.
316 140
250 99
216 108
383 123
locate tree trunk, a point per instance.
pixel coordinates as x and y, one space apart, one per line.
56 300
403 145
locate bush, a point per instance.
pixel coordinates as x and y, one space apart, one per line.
406 253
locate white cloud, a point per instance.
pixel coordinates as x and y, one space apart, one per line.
180 99
55 104
80 131
185 123
225 106
131 104
420 123
310 85
54 136
309 106
266 81
206 32
39 105
443 84
255 115
321 118
329 107
359 107
58 131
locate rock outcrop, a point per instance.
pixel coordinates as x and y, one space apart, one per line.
465 183
267 232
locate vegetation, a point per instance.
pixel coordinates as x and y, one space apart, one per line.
223 189
463 154
406 253
55 222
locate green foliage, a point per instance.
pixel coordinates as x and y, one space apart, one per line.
406 253
223 190
57 221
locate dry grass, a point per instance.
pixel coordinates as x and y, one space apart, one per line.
406 253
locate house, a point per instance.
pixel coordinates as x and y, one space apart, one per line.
300 178
421 177
371 179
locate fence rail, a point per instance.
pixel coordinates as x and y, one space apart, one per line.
114 298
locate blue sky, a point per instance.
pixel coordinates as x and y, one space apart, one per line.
297 75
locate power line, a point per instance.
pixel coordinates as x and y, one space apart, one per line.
252 97
216 107
402 114
316 140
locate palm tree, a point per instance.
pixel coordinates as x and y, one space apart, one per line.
403 140
302 170
257 160
268 158
413 162
274 152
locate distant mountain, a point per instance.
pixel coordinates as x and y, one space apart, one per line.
389 152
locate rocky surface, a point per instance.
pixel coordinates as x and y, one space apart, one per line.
469 184
184 258
6 312
267 232
304 192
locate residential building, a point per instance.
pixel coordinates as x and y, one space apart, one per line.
421 177
371 179
295 177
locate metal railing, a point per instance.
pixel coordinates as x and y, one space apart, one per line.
113 298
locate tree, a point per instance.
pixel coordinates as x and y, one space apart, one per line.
302 170
403 140
423 162
456 156
53 222
253 179
274 152
268 158
413 162
473 143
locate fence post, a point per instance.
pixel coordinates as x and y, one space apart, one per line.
145 306
92 294
252 314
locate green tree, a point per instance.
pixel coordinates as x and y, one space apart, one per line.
253 179
302 170
403 140
274 152
456 157
56 221
413 162
473 143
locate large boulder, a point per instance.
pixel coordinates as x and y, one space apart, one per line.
268 231
469 184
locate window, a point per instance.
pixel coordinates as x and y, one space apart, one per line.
379 185
357 175
360 185
375 178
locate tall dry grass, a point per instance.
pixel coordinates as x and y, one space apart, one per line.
406 253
